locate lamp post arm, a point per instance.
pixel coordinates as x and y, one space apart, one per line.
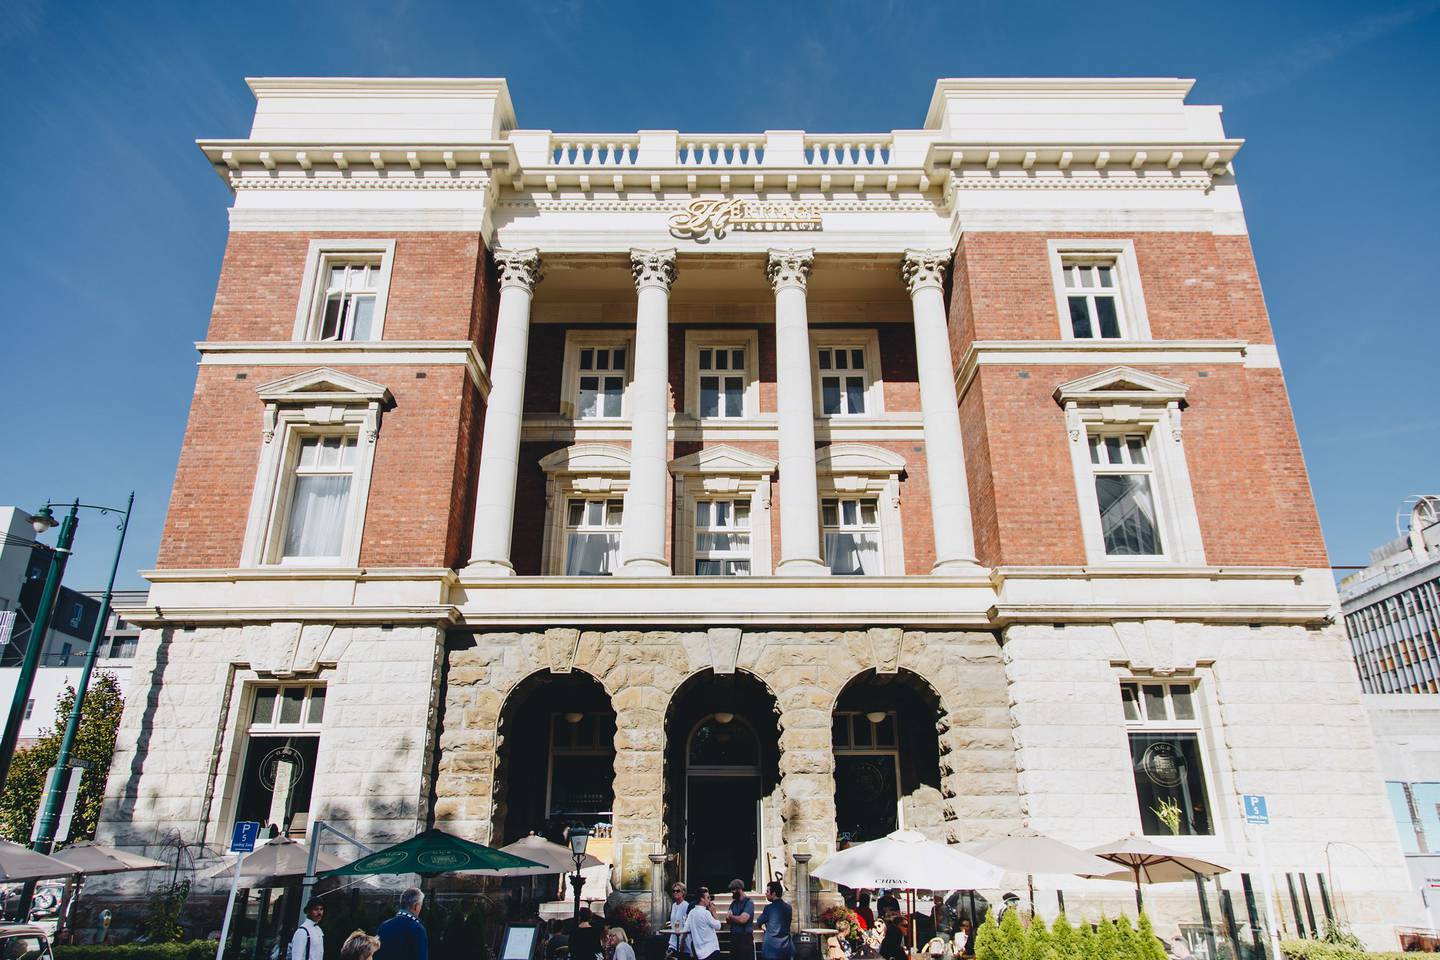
45 837
38 628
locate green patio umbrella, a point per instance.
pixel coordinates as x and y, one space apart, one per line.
429 853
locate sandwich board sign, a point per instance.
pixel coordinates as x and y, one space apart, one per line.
1256 810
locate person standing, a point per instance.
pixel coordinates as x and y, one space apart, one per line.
863 911
308 941
775 919
742 923
585 936
889 903
402 937
679 908
892 946
700 927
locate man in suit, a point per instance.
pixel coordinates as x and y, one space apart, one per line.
402 937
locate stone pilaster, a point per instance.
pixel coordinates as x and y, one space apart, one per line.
642 541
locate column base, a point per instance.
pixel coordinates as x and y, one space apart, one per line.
487 569
643 567
955 568
801 567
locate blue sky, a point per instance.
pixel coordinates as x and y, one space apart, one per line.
114 224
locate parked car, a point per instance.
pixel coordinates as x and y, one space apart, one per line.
22 941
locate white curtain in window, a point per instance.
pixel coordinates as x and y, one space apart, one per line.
853 554
592 554
316 526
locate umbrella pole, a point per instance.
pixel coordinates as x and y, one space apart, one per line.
229 908
1139 898
1030 883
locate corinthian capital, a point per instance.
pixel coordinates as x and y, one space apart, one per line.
790 267
519 268
924 268
653 268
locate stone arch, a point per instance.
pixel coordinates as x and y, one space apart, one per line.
885 737
696 790
554 756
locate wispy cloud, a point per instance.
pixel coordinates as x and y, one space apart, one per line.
1291 64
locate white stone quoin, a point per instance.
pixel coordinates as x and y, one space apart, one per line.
924 274
642 541
789 273
500 443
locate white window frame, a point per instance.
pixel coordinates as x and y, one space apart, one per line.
248 688
608 505
747 340
1196 726
577 340
1128 467
320 402
585 470
1129 296
1128 401
733 507
861 470
723 473
319 258
867 340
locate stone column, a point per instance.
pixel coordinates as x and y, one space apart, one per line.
500 442
789 271
924 273
642 538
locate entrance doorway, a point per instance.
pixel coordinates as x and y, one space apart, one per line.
721 771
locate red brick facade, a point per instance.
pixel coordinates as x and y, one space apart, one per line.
1248 477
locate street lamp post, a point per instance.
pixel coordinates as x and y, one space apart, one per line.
45 829
42 521
579 837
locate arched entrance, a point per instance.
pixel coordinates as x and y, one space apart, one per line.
722 768
556 757
887 756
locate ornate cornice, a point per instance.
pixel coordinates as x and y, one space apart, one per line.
924 268
1061 182
519 268
239 182
790 267
653 268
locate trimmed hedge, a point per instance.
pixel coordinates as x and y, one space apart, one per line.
193 950
1320 950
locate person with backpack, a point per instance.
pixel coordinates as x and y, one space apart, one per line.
308 942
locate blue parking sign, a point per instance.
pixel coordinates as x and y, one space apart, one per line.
243 839
1255 809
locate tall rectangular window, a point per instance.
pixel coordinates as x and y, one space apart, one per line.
281 747
1093 296
1124 489
1167 758
844 380
722 538
347 304
319 497
601 382
722 382
592 537
852 536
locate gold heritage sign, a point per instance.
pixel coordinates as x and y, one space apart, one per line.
718 217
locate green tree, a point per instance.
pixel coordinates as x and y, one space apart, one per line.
94 744
986 938
1107 941
1150 948
1086 942
1038 944
1012 942
167 904
1064 941
1126 939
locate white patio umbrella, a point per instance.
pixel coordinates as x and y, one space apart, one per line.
552 857
1034 853
22 863
908 860
93 859
280 859
1148 862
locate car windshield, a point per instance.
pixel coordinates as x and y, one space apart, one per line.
23 946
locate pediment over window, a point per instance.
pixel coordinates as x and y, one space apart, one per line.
858 458
723 460
1122 384
323 385
590 458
